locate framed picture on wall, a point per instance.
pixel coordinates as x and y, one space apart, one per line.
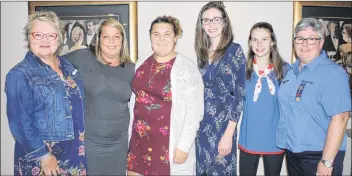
81 20
337 21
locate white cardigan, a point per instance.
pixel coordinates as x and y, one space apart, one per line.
186 112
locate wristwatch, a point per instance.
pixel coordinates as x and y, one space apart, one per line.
327 163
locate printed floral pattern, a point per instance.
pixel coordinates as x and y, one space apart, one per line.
167 92
35 170
147 159
161 68
81 136
165 157
164 130
141 128
71 153
70 82
149 145
223 101
139 74
81 150
130 161
143 97
158 69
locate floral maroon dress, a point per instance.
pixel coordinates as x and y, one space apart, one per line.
149 145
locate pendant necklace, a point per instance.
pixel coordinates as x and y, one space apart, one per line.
151 69
150 78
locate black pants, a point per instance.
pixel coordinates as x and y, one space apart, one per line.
249 164
306 163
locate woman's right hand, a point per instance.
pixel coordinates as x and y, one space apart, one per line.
225 145
49 165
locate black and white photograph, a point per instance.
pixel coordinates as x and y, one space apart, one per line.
337 20
80 34
81 21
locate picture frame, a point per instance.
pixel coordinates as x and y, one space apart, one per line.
337 21
298 7
89 14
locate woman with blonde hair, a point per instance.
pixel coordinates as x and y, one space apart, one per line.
45 104
78 36
107 73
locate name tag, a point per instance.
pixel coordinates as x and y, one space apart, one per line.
74 72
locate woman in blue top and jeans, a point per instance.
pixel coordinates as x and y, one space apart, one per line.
45 104
265 69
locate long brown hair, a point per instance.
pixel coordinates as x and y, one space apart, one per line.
274 56
202 40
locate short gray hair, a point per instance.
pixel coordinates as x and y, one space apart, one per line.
47 16
313 23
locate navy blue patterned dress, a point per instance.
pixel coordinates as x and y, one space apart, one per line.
70 154
224 92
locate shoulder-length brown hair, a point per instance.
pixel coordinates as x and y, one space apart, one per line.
124 52
274 57
202 40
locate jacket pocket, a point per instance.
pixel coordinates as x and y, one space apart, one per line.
45 88
51 95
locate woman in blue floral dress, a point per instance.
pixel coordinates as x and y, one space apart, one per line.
222 65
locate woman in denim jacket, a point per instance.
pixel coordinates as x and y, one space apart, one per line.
45 104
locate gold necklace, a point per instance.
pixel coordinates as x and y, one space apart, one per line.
150 78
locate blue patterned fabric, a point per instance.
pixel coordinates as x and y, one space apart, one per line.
70 153
224 91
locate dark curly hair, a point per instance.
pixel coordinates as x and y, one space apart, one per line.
170 20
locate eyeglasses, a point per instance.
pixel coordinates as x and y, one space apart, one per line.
40 35
216 20
310 41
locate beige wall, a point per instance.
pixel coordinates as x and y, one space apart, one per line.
242 14
13 18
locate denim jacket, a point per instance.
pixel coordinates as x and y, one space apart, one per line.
38 108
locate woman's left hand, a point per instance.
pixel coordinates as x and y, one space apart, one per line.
225 145
180 156
323 170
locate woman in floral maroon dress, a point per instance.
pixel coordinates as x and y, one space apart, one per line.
153 107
